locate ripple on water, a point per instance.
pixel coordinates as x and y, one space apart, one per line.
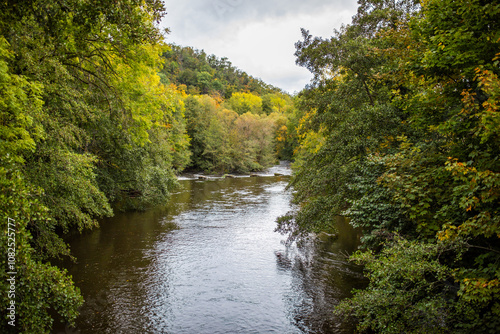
210 262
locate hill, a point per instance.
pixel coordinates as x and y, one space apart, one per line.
198 73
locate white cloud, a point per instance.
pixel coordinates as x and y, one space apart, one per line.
256 36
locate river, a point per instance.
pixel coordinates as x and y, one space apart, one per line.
210 262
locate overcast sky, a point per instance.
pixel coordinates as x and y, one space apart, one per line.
257 36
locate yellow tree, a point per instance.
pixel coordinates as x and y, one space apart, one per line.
245 102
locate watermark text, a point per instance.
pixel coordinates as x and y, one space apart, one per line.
11 271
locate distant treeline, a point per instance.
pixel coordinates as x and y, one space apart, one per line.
198 73
235 123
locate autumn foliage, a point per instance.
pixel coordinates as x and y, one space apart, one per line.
402 135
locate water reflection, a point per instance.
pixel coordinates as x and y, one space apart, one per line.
320 279
209 262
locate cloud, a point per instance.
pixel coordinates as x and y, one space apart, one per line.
257 36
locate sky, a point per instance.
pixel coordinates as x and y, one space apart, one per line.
257 36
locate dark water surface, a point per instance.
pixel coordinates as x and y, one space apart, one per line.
209 262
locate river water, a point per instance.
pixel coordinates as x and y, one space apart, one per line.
210 262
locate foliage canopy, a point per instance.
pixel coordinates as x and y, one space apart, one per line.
401 134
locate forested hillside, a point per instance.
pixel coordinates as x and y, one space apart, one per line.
196 72
94 118
235 123
401 133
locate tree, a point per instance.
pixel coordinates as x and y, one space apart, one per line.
199 111
245 102
275 103
423 183
36 287
223 141
347 117
208 74
84 120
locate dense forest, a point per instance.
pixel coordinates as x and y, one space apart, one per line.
235 123
98 114
401 133
196 72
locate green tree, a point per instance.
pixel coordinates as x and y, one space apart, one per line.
347 116
199 113
86 122
204 81
411 290
401 135
191 67
39 287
